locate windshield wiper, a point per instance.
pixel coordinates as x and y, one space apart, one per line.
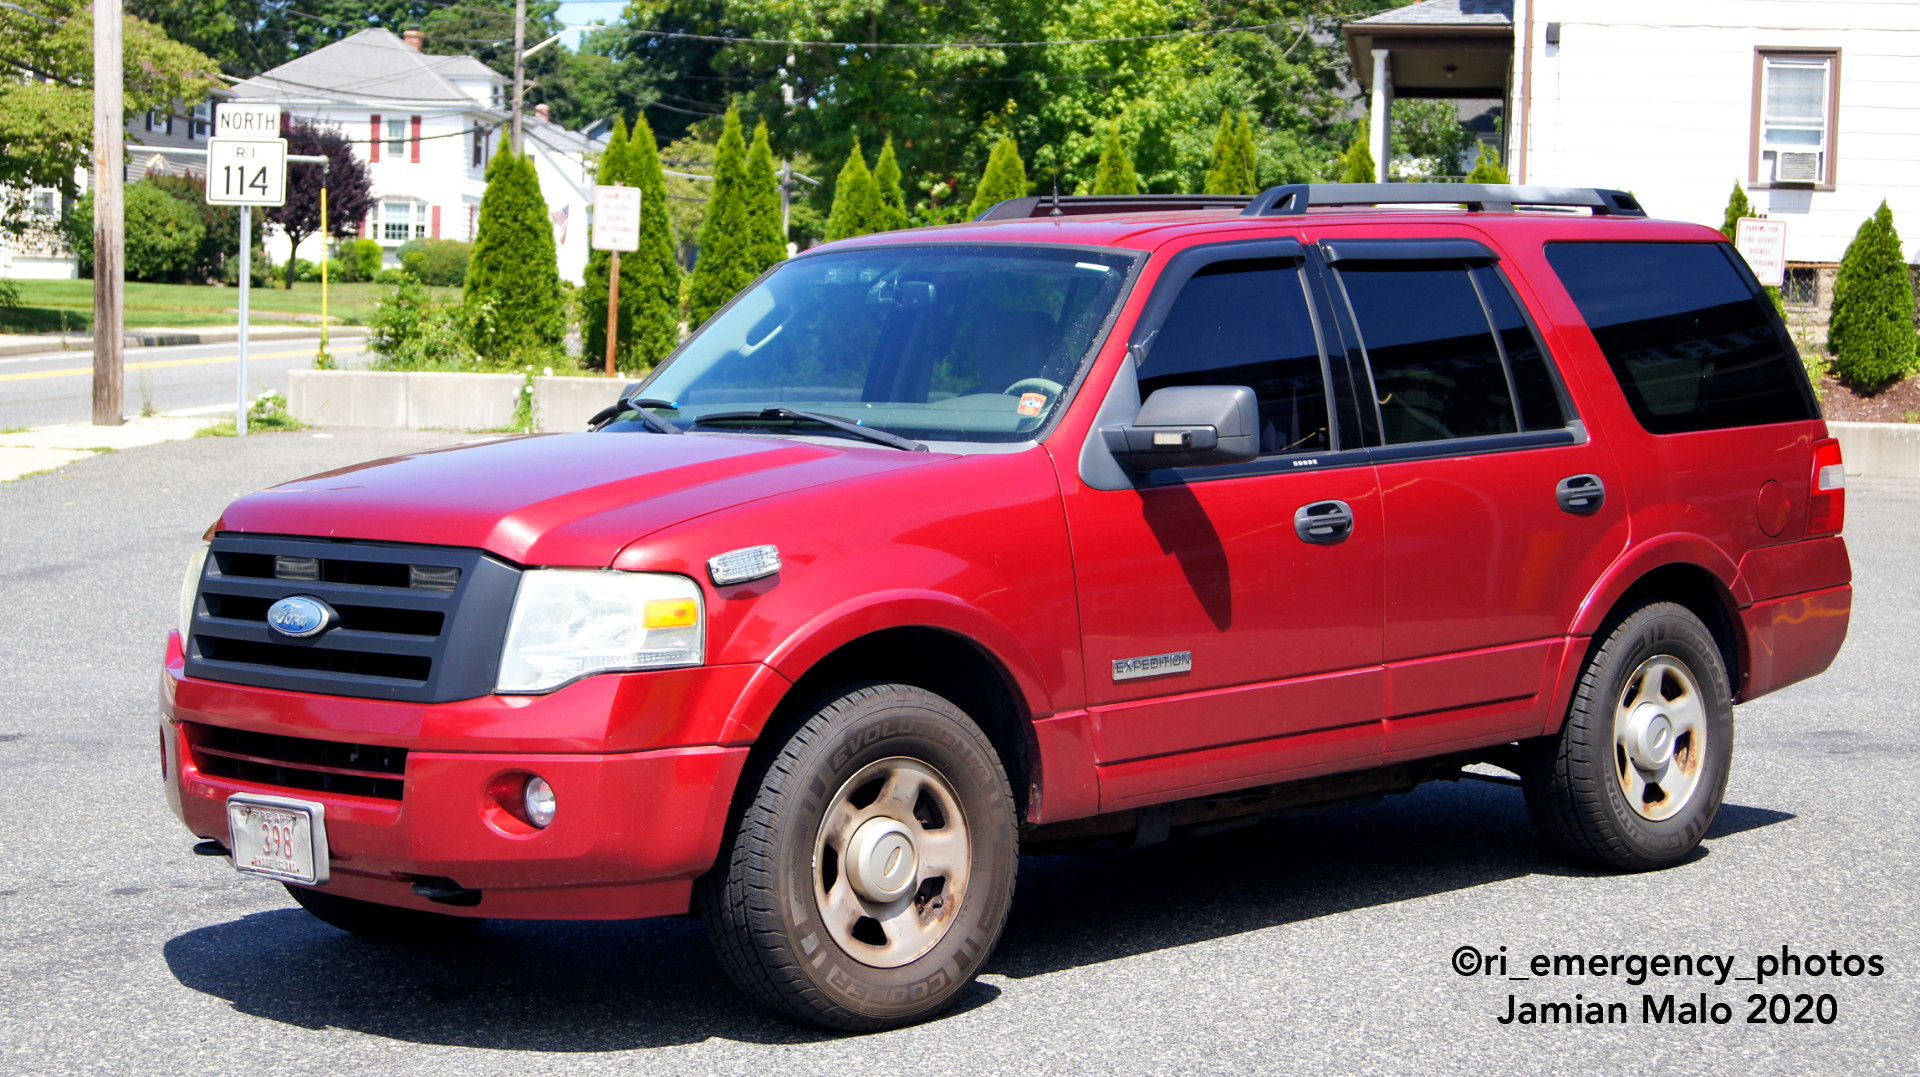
640 405
834 421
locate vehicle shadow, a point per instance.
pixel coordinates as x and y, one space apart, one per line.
566 987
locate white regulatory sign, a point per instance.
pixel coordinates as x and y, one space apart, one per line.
256 122
1763 243
616 218
245 172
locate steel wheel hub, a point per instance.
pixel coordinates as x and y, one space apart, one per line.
1649 737
881 861
891 862
1659 738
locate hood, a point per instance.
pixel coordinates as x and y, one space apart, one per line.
553 499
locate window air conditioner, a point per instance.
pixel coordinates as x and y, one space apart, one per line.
1797 167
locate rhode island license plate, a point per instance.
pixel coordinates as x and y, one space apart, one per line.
278 837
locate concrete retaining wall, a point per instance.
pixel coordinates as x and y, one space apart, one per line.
1879 450
432 400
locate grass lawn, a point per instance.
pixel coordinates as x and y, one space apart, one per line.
53 306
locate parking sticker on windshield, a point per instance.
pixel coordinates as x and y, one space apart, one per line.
1032 403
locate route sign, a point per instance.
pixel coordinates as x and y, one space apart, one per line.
1763 243
256 122
616 218
246 172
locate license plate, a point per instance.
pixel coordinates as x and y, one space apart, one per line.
278 837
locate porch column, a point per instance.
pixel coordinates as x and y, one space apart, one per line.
1380 117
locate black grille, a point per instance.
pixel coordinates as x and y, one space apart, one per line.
416 623
321 766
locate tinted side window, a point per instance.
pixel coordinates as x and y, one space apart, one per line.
1246 323
1685 334
1532 383
1436 369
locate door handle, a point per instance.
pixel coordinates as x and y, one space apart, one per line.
1581 495
1323 522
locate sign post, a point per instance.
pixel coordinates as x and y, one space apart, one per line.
246 167
1763 243
616 228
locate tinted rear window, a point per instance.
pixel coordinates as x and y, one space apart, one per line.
1685 334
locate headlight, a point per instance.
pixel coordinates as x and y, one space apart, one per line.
189 587
569 622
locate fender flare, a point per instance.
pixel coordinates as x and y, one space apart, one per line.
1674 548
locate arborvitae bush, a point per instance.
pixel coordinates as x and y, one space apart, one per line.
857 209
769 237
893 200
1737 207
1486 167
1359 161
1116 174
1871 335
1231 168
726 262
1004 178
654 283
513 277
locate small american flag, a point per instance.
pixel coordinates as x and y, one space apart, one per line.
560 221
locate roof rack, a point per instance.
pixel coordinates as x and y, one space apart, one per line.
1294 199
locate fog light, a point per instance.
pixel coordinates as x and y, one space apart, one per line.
538 798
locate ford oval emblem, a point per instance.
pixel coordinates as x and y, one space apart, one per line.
300 616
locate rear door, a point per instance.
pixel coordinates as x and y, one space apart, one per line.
1500 510
1223 647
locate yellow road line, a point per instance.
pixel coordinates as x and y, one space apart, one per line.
75 371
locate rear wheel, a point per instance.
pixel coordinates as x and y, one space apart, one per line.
870 875
386 922
1637 773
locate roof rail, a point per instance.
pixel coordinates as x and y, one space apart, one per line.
1294 198
1048 205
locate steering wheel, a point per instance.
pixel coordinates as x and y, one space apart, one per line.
1033 385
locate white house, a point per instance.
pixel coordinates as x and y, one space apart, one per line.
1813 106
426 126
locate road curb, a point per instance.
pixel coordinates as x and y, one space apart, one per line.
163 338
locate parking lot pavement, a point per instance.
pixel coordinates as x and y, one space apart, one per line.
1322 944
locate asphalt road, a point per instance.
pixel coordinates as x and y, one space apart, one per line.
57 387
1318 945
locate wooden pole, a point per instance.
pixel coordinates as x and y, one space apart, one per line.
613 310
109 217
519 65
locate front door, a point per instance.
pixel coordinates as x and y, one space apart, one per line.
1226 646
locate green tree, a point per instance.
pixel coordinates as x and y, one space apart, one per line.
893 200
513 296
655 283
857 209
769 237
1429 131
1486 166
726 261
164 233
1004 178
1737 207
1116 174
1359 161
1871 335
222 239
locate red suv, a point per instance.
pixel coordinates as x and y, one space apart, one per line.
1091 522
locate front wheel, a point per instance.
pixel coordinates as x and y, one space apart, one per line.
1636 775
870 875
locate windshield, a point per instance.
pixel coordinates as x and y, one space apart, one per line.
943 343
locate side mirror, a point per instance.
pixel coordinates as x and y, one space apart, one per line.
1189 426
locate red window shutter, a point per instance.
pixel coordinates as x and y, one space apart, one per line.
436 223
416 140
363 221
473 212
376 138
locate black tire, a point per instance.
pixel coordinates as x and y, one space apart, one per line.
384 922
762 904
1575 782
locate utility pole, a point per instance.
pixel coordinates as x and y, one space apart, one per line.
109 216
519 65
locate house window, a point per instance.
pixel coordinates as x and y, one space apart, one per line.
1795 108
401 221
1801 287
396 137
202 121
43 201
479 147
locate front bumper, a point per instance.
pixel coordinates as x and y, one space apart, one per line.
636 822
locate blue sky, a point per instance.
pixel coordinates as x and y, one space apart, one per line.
578 11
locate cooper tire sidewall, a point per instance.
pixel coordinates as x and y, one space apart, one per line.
892 729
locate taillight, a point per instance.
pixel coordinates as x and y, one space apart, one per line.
1827 500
